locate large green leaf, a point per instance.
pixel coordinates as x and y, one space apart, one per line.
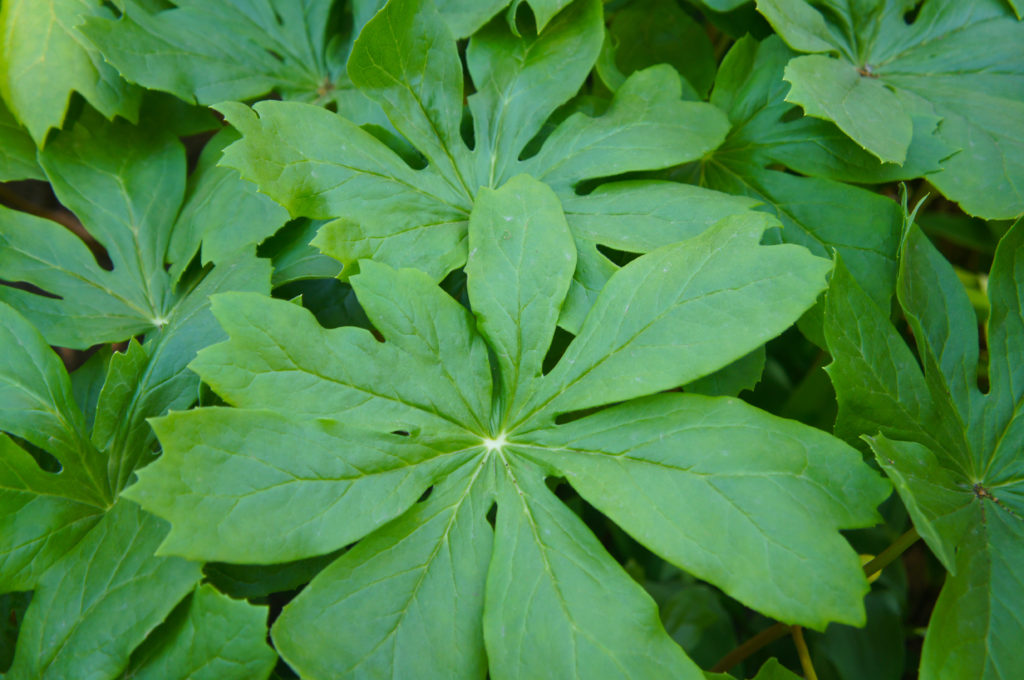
319 165
953 452
126 185
209 636
960 60
816 210
44 59
213 51
101 600
431 588
17 150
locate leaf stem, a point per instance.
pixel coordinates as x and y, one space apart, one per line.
889 555
779 630
803 653
762 639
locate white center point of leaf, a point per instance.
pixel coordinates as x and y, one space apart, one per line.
495 444
160 321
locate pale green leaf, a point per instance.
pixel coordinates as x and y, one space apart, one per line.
863 108
710 308
513 308
40 43
646 465
17 150
542 616
415 585
319 165
207 637
411 415
209 51
101 600
960 60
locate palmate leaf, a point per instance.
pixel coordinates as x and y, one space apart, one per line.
207 51
319 165
99 590
127 186
815 210
40 43
953 453
960 60
431 588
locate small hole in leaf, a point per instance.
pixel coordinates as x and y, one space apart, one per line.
492 515
275 55
426 494
401 433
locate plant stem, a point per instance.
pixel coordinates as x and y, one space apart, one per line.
778 630
889 555
803 653
762 639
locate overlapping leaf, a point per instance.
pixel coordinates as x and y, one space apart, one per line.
960 60
17 150
953 452
432 588
212 51
99 589
44 59
815 210
319 165
127 186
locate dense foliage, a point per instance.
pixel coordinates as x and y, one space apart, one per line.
512 339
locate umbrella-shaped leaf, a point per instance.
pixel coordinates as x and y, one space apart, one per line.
431 589
953 452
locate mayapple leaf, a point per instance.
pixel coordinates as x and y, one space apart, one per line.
40 43
99 589
126 185
960 60
208 636
322 166
17 150
952 451
650 32
402 443
210 51
815 210
101 600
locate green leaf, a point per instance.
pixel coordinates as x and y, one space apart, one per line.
319 165
220 211
646 465
380 420
94 606
960 61
208 52
954 454
208 637
126 185
17 150
41 43
43 514
657 32
546 570
862 107
425 571
815 211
